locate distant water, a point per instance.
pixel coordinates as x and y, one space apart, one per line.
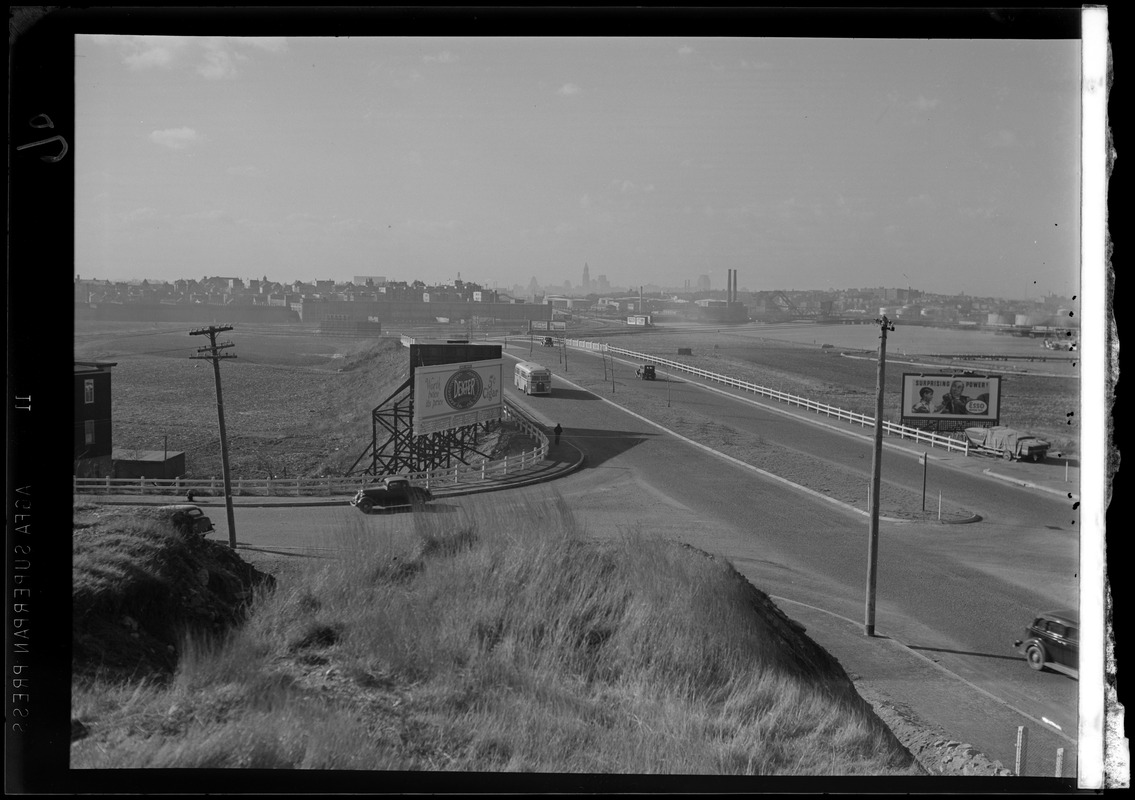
910 339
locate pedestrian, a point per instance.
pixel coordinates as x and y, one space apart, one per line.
557 430
189 496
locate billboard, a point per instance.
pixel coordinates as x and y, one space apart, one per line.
448 396
544 325
949 402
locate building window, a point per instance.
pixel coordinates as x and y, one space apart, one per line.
88 391
89 431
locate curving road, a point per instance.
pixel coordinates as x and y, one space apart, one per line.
957 594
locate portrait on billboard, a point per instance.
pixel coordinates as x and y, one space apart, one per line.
948 401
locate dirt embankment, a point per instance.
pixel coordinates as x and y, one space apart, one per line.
140 587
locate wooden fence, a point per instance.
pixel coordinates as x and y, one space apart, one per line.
437 480
890 428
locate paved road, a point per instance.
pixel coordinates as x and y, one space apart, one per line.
955 595
958 594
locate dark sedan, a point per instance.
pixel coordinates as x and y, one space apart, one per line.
1053 641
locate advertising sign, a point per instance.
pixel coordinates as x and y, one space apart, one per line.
538 325
448 396
948 402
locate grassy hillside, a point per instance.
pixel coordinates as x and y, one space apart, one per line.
500 640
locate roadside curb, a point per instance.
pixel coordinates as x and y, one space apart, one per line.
1030 484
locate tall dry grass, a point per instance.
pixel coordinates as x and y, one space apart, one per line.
500 638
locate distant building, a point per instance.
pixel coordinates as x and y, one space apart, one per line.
93 446
155 464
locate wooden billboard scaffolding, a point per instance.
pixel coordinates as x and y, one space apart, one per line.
393 447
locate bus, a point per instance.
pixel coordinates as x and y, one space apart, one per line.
532 378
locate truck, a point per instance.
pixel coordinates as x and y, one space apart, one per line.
393 491
1007 443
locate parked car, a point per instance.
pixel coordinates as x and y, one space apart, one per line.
1053 641
645 372
391 492
187 518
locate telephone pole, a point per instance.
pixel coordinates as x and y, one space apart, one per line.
876 471
214 355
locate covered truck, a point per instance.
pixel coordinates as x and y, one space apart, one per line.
1006 442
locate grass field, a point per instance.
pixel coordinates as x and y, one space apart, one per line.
295 404
298 404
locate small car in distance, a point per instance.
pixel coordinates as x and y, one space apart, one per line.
645 372
187 518
391 492
549 341
1053 640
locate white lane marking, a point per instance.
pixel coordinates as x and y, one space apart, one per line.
730 459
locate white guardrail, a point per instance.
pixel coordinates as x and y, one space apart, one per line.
902 431
435 480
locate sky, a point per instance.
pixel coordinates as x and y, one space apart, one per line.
950 166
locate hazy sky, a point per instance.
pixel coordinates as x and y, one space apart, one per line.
947 165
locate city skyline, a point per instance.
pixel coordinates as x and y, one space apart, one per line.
951 165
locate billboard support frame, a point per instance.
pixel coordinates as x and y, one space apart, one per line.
394 447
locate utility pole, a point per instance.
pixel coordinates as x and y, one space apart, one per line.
876 471
215 356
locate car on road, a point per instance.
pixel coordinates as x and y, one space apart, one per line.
645 372
391 492
187 518
549 341
1052 640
